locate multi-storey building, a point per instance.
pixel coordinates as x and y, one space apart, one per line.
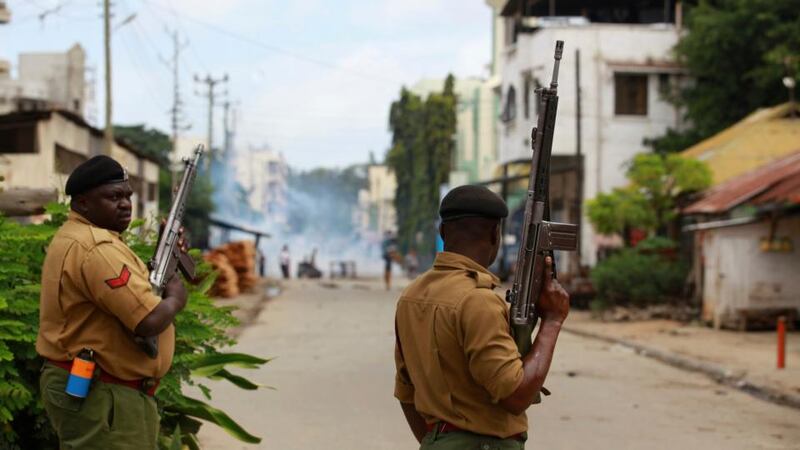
615 77
376 214
39 149
45 81
263 173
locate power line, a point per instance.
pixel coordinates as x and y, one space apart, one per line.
272 48
201 65
145 82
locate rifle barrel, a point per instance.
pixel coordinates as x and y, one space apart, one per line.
559 51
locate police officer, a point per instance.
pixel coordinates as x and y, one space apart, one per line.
460 380
96 296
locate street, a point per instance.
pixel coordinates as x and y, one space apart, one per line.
333 375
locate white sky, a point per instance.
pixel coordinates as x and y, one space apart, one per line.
313 79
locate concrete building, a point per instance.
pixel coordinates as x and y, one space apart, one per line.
475 155
615 75
39 149
263 173
46 81
376 213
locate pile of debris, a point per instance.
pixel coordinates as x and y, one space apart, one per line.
668 311
236 264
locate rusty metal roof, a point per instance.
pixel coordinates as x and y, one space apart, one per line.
777 182
760 138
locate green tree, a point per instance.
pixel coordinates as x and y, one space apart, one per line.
149 141
649 202
405 121
736 53
421 154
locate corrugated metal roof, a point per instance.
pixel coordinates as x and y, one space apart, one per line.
776 182
760 138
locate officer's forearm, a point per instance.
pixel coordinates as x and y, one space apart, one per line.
160 318
536 365
415 421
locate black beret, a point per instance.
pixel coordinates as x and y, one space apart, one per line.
97 171
472 201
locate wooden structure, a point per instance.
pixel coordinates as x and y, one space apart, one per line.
747 246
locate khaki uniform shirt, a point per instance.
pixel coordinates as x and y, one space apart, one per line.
95 291
455 356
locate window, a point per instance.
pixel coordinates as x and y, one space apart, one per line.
152 192
18 138
67 160
510 109
630 94
532 94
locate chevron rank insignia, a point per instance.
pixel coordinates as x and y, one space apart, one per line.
121 280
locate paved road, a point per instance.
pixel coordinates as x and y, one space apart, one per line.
334 377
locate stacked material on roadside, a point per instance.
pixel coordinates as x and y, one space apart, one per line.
242 256
227 283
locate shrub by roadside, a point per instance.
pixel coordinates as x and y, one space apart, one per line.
644 275
200 335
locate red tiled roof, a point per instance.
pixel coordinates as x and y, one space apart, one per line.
776 182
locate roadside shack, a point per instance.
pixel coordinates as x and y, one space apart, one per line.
746 251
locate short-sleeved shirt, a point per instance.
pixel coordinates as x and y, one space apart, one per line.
95 291
455 356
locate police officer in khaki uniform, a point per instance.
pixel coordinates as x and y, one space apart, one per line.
96 295
460 380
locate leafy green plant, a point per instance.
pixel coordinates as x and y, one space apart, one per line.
200 334
736 53
638 277
650 201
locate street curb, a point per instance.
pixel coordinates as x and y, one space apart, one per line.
720 374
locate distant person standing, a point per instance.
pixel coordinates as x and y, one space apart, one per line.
285 260
389 252
412 264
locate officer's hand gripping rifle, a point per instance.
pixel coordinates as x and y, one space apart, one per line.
540 237
169 257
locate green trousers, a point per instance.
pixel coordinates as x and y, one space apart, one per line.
111 417
464 440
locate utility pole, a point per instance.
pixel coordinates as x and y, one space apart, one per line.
226 146
108 135
176 112
231 115
579 173
211 84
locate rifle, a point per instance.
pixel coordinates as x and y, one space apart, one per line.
540 237
168 256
